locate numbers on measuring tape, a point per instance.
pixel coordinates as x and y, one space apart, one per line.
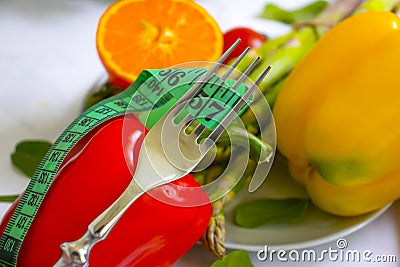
196 103
104 110
33 200
7 251
169 78
44 177
22 221
86 122
121 104
213 102
140 100
174 79
9 245
165 72
155 87
70 137
55 156
218 109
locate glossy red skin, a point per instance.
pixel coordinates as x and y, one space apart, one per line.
151 233
248 37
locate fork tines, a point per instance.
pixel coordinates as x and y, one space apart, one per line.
239 105
184 100
242 101
202 81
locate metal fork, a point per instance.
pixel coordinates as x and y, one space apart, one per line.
155 167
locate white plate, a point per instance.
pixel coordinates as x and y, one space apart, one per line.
316 228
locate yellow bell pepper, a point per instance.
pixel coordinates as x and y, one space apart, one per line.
337 116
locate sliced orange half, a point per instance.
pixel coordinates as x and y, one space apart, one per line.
133 35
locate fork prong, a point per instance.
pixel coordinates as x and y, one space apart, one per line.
238 106
262 76
215 134
203 80
185 121
199 130
235 63
229 51
246 73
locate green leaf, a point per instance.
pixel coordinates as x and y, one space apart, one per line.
239 258
308 12
100 94
274 12
269 211
9 198
28 154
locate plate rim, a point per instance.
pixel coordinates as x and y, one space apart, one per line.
314 242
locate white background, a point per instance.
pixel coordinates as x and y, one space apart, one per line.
48 62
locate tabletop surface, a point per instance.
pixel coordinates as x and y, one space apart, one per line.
48 63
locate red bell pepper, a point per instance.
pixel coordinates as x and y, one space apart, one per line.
151 232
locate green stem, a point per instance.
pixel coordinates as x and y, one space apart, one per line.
286 52
259 151
286 58
213 238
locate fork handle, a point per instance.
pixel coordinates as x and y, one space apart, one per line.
76 253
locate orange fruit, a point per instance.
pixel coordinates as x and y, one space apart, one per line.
133 35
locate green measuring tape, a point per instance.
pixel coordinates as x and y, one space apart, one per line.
152 94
